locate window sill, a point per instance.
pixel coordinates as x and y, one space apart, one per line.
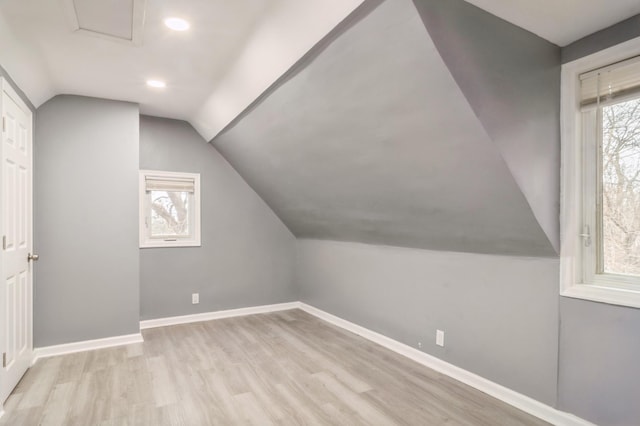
169 244
612 296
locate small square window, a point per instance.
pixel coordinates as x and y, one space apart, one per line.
169 209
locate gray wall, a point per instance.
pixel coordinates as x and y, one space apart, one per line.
85 220
515 92
247 254
599 362
615 34
499 314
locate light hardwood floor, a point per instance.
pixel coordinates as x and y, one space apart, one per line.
280 368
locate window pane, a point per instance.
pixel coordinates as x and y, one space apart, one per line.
169 214
621 188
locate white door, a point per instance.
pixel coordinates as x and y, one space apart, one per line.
16 220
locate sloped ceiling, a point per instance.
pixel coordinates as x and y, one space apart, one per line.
561 21
514 90
233 51
375 141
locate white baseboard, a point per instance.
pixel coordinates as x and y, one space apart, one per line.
522 402
108 342
513 398
87 345
208 316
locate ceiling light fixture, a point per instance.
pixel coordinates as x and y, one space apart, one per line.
157 84
177 24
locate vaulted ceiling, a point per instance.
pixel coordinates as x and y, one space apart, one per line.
234 51
375 141
561 21
425 123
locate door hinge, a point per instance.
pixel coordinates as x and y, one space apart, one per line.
4 242
4 124
4 359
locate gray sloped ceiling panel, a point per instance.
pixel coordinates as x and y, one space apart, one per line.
373 141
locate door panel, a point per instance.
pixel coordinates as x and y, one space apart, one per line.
16 220
10 356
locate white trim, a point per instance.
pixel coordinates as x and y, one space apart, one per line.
208 316
144 209
610 295
86 345
572 282
513 398
9 90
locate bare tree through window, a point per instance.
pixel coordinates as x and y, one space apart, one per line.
621 188
169 213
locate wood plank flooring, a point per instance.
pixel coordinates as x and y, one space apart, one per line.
283 368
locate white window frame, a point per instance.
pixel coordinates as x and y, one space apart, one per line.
145 211
575 280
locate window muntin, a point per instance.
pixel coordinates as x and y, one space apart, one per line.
169 209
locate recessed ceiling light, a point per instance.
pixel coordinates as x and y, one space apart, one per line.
156 83
177 24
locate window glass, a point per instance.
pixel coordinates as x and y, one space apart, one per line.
620 188
169 214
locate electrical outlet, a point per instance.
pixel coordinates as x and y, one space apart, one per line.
420 345
195 298
440 338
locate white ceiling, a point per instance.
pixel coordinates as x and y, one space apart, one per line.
561 21
191 62
233 52
256 40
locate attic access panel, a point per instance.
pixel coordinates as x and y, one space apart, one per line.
117 20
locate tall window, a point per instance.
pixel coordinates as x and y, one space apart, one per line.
601 183
169 209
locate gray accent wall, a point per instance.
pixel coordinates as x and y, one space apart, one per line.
499 314
511 79
85 220
247 255
599 369
375 142
608 37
